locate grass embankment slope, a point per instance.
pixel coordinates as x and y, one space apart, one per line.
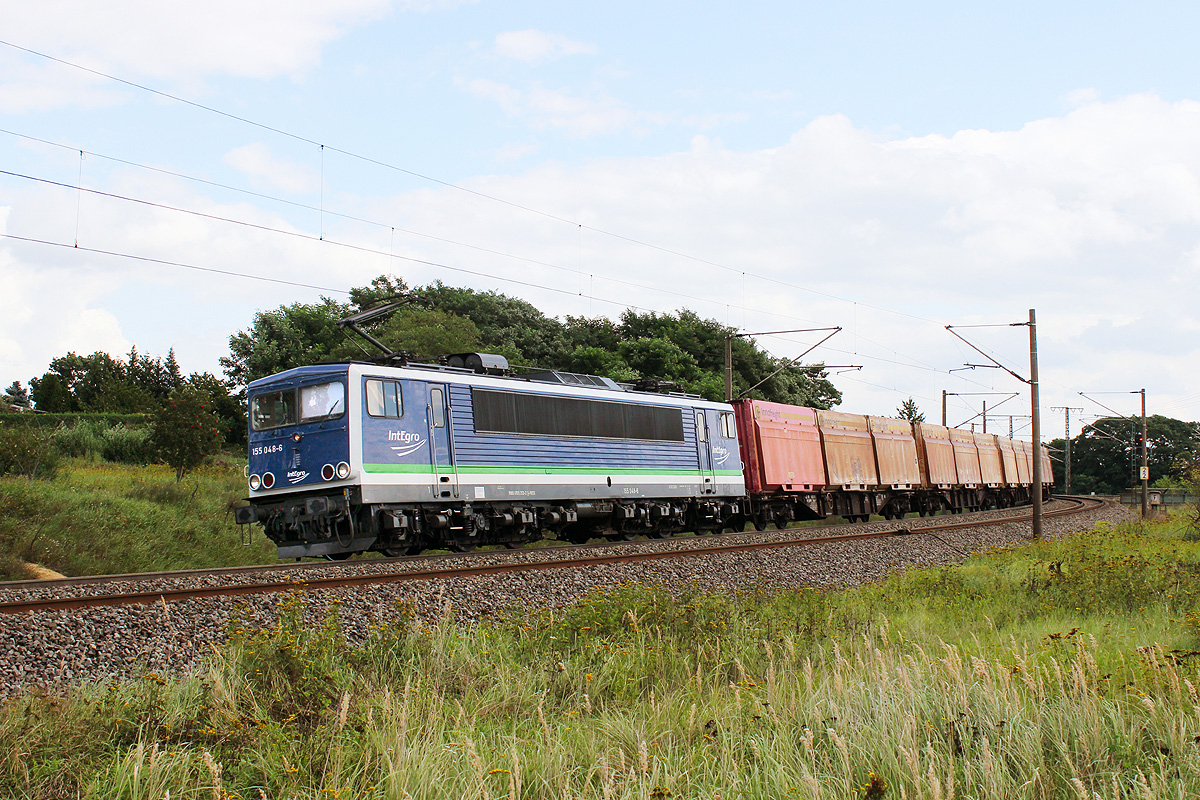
1064 669
98 517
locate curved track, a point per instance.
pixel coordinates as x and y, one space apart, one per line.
619 555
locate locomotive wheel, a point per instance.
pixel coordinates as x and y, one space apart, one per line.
461 547
781 523
337 556
657 534
621 536
513 545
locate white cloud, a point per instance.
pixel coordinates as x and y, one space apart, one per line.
533 46
543 109
141 39
256 161
1091 217
1066 214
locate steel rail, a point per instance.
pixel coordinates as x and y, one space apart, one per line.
251 569
193 593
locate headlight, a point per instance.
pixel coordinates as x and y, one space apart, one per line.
268 480
255 482
343 470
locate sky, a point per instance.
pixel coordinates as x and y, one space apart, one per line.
889 169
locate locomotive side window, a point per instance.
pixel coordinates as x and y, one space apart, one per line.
273 410
322 401
727 427
384 399
547 415
438 406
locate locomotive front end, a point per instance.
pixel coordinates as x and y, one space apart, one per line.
303 488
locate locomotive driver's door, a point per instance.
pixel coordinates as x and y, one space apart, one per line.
445 475
708 476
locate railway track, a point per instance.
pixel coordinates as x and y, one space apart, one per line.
619 555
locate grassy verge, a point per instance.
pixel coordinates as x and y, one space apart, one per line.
1063 669
100 517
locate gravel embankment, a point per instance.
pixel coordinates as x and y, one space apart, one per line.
54 649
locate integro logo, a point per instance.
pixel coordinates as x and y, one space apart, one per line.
296 475
409 442
721 454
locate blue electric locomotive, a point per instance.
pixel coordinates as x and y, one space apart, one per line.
354 457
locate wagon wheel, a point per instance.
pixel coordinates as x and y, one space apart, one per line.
461 547
761 522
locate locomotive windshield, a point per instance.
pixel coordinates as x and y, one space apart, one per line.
291 406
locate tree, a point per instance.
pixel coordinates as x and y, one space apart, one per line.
428 332
229 409
680 347
99 382
1106 455
908 410
290 336
16 395
186 430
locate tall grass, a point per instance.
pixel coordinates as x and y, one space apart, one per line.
1048 671
99 517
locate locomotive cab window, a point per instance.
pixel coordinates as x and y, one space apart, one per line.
384 399
273 410
322 401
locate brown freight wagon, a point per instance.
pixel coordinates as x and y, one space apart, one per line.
895 452
966 458
991 466
1008 457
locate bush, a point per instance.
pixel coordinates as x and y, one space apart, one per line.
28 452
127 446
83 439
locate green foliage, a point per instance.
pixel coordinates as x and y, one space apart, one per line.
69 420
16 395
127 445
28 452
1105 457
680 348
101 383
230 409
186 430
427 332
908 410
288 337
84 438
1020 673
99 517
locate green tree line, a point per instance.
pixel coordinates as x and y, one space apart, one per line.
680 347
1106 455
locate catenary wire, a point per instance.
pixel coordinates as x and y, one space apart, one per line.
450 185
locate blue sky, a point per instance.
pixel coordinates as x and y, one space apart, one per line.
889 169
